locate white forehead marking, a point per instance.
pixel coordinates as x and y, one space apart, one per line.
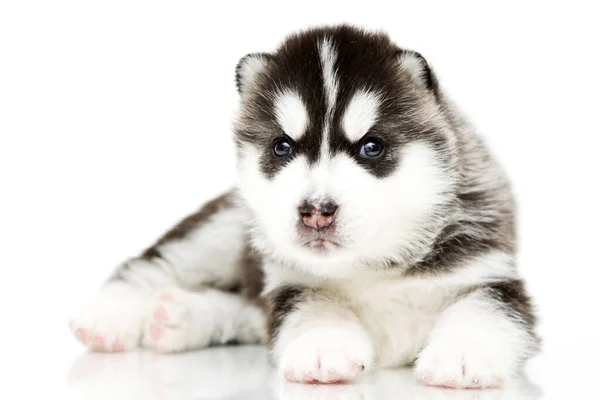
328 57
361 114
291 113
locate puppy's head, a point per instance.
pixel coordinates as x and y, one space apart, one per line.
345 157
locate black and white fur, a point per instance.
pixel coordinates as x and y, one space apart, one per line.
417 267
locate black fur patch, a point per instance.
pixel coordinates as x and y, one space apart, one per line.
178 232
486 225
251 274
514 295
458 243
190 223
281 303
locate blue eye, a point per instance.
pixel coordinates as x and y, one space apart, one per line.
282 148
371 148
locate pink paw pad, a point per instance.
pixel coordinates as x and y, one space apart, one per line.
160 314
81 335
166 296
118 347
155 332
97 343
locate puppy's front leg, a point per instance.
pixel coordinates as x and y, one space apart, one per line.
481 340
316 337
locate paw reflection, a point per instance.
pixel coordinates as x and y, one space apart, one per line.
243 372
397 384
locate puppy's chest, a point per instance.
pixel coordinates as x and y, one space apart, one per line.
398 315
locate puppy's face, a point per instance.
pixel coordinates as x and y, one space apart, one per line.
344 157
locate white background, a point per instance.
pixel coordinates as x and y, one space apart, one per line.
115 121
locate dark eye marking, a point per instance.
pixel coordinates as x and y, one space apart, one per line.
371 148
282 147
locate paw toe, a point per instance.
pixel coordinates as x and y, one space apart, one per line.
156 332
456 373
81 335
160 314
289 375
118 347
112 320
97 343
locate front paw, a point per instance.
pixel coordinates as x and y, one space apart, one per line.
325 354
463 363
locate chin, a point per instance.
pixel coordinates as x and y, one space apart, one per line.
321 258
318 251
322 245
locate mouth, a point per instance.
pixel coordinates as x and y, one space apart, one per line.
321 244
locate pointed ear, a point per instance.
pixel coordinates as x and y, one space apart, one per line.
415 64
248 69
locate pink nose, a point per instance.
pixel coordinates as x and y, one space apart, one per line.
317 216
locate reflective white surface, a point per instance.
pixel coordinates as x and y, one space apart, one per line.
114 123
244 373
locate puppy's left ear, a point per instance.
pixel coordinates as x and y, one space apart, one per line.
418 68
249 68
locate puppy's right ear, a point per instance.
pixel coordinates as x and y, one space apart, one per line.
248 69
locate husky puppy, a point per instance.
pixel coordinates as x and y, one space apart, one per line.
369 227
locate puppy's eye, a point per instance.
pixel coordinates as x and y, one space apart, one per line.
371 148
282 147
